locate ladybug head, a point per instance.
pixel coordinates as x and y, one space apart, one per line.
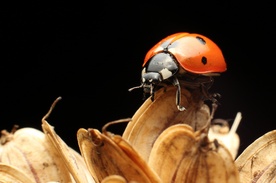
160 67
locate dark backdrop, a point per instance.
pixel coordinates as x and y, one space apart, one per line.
90 54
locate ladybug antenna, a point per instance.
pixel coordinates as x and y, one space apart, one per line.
178 94
136 87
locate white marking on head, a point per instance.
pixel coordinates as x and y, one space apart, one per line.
165 73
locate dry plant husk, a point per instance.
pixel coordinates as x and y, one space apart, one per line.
108 154
160 144
153 117
114 179
40 156
257 163
12 174
29 150
221 131
71 158
182 155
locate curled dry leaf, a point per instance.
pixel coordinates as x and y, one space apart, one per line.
11 174
257 163
153 117
72 159
181 155
108 154
29 150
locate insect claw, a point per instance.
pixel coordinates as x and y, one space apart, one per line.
181 108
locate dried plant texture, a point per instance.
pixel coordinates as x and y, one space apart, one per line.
108 154
11 174
153 117
181 155
221 131
29 150
257 163
114 179
71 158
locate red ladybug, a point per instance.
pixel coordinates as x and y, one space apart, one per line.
183 57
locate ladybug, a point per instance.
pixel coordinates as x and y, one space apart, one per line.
183 57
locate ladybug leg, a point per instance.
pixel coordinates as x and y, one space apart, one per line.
214 97
152 97
205 91
214 108
144 96
130 89
206 127
178 94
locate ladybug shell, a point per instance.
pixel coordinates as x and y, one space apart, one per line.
194 52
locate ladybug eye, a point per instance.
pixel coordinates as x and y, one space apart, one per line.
204 60
201 40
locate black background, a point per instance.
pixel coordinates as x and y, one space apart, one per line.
91 54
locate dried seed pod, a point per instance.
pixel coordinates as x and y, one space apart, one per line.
114 179
220 130
108 154
181 155
155 116
72 159
257 163
11 174
29 150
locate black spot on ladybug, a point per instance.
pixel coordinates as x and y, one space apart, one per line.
201 40
204 60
